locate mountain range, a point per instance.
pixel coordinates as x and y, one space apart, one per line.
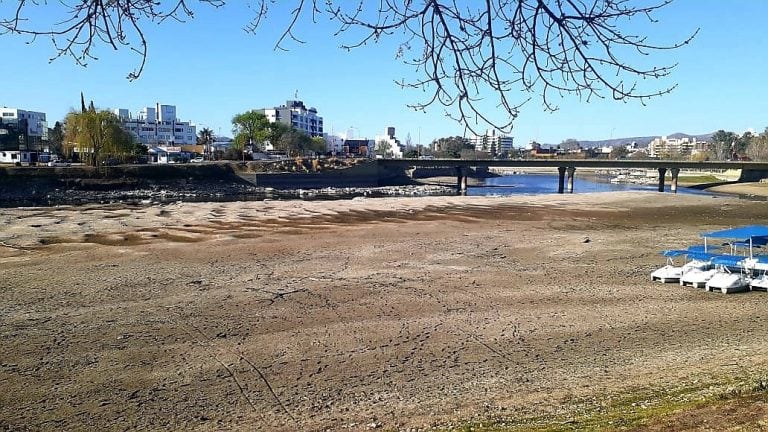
642 141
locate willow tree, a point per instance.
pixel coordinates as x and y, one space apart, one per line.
96 135
462 52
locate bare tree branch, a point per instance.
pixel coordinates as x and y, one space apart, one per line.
464 53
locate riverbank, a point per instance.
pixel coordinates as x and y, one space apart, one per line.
756 189
43 186
439 312
706 182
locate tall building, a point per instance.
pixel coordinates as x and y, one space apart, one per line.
295 114
665 147
31 126
158 125
492 142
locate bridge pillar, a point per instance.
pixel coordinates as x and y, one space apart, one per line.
461 180
662 174
560 179
675 172
570 171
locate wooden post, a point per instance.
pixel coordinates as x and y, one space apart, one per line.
560 179
675 173
662 173
458 178
570 171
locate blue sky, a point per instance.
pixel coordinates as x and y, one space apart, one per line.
211 69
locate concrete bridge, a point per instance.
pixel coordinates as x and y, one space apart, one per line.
566 168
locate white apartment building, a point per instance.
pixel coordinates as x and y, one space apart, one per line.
493 142
663 147
295 114
33 123
334 143
158 125
393 143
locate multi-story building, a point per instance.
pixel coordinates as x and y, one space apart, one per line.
663 147
492 142
158 125
295 114
23 135
32 124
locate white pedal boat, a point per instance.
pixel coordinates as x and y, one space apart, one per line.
672 273
697 278
727 282
759 283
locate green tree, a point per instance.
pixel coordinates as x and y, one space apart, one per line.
205 136
450 147
411 154
721 144
205 139
384 149
96 135
56 138
138 149
742 142
291 141
618 152
276 131
318 146
250 128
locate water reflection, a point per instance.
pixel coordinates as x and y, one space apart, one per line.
518 184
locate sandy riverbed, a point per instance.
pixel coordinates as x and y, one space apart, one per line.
347 315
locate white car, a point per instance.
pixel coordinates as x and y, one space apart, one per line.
197 159
58 164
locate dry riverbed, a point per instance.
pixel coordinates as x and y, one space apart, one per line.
396 313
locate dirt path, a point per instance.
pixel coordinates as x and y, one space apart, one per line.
359 314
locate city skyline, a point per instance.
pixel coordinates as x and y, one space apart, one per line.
211 70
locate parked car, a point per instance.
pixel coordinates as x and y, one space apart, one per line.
58 163
197 159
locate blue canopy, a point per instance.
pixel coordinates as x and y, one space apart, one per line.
745 232
762 259
704 256
674 252
702 248
728 260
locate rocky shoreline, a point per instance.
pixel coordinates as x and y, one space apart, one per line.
214 192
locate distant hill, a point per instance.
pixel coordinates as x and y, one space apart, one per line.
641 141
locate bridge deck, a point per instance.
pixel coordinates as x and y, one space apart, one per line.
575 163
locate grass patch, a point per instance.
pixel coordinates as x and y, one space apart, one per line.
699 179
628 411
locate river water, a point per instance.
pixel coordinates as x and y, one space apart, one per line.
522 184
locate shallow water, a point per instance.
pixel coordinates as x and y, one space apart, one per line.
519 184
